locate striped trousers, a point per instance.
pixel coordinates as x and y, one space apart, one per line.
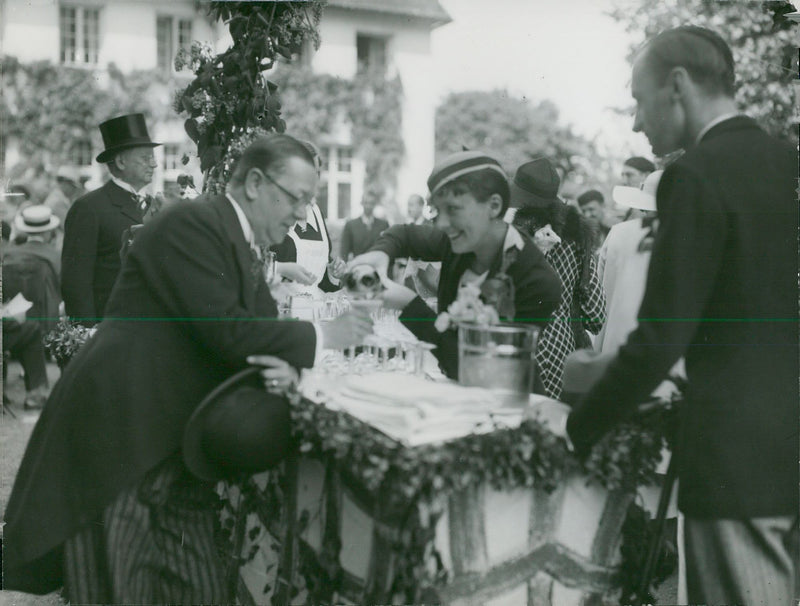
154 544
752 562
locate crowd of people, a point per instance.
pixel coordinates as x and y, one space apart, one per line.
695 267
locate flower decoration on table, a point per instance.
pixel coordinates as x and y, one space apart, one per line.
65 340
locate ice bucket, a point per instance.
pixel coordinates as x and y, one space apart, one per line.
500 358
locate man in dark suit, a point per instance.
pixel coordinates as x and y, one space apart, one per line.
721 291
96 222
103 502
361 233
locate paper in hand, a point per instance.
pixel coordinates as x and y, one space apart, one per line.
16 307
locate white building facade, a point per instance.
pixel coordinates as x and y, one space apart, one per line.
146 35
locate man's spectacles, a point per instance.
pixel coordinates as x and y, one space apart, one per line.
294 198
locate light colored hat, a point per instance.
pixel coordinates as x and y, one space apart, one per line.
642 199
36 219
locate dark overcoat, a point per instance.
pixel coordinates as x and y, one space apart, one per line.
184 315
357 238
721 291
90 257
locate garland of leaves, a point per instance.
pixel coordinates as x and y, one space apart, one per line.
527 456
65 340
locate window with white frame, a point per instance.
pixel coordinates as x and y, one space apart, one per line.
172 34
335 193
79 34
172 156
80 153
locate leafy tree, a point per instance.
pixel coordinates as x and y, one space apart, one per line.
515 130
369 104
763 42
230 98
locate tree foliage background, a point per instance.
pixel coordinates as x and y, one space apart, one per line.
47 108
231 99
515 130
763 41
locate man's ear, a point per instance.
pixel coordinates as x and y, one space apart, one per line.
679 82
252 181
119 161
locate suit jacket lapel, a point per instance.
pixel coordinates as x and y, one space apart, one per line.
124 201
241 249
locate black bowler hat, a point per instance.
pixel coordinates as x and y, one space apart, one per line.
123 132
536 184
238 428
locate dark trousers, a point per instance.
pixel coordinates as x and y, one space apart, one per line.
751 561
24 341
153 545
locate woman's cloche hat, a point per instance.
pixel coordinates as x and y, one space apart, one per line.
535 184
124 132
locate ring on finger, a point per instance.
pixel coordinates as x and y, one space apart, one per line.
273 382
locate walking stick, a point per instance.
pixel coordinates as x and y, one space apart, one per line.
655 541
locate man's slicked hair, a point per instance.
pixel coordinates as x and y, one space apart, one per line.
701 52
269 151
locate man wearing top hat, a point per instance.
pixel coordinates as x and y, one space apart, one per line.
96 222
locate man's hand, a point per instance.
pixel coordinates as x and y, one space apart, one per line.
296 273
375 258
396 296
348 329
278 375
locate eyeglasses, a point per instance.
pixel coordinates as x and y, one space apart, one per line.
295 199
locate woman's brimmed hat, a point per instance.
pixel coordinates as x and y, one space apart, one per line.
536 184
123 132
634 197
36 219
238 428
459 164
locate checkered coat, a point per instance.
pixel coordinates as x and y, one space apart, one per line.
557 339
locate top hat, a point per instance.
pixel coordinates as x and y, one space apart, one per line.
36 219
123 132
238 428
643 198
459 164
535 184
